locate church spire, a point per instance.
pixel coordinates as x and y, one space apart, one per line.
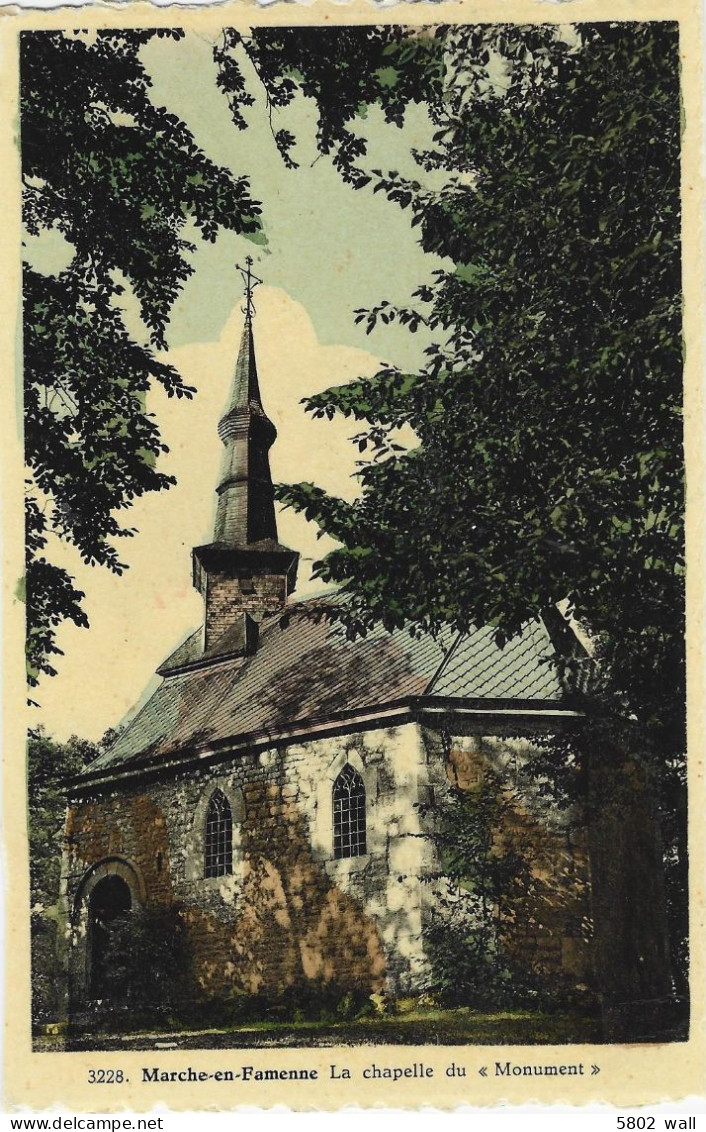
246 512
245 573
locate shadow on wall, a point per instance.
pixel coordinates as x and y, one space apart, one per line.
302 671
289 938
292 930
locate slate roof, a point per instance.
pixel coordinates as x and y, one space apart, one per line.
478 669
308 672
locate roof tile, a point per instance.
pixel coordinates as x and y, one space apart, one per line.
307 671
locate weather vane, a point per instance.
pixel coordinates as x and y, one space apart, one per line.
251 282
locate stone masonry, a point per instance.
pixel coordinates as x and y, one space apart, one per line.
290 915
228 596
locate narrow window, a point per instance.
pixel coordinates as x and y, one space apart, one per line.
348 814
219 837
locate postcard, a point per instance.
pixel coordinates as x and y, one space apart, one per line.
353 368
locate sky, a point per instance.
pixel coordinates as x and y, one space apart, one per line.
329 250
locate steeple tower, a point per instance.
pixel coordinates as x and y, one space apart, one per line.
245 512
244 573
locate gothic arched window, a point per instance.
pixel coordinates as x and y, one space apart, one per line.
219 836
348 814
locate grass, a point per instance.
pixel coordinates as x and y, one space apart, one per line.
413 1025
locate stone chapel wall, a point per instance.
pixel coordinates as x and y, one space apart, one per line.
550 929
290 916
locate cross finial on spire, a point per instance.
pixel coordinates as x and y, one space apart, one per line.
251 281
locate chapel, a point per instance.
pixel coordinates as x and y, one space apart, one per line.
275 789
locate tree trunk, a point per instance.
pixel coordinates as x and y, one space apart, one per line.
631 940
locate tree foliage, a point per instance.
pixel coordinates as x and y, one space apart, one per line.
147 967
342 70
482 881
123 183
548 412
48 765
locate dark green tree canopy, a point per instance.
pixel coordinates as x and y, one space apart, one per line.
49 764
549 465
343 70
119 178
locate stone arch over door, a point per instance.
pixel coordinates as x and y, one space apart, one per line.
112 888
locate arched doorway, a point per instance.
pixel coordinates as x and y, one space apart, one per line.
108 927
